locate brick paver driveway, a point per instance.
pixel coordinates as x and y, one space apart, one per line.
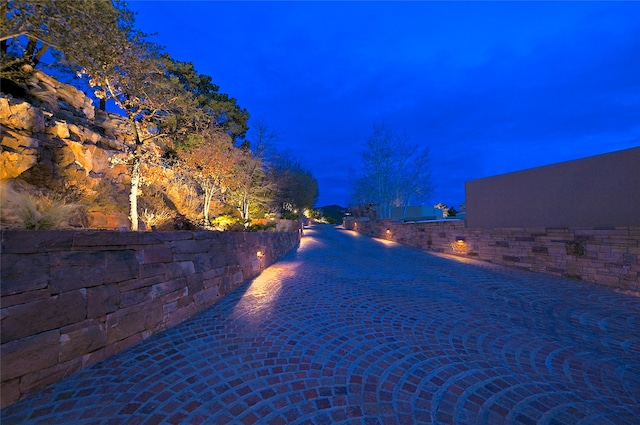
354 330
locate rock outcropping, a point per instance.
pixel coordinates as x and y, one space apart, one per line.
57 141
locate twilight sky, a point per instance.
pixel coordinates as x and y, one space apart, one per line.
489 87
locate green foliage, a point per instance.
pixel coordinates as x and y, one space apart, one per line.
190 142
236 227
287 215
331 214
213 108
223 222
229 223
269 226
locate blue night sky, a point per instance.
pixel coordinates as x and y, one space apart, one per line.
489 87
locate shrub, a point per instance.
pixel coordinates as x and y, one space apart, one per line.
327 220
155 217
22 210
235 227
224 222
267 227
290 216
179 222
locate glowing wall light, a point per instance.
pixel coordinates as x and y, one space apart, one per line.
460 245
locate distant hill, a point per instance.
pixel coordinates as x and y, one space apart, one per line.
333 213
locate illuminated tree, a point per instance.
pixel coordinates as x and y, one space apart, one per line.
250 190
211 165
139 86
204 141
443 207
394 172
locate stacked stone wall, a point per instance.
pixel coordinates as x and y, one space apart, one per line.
71 298
604 255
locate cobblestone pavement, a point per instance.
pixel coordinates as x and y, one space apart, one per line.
361 331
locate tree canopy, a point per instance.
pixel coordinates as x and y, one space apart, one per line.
297 189
216 109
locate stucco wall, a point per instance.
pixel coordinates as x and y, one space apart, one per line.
608 256
72 298
602 190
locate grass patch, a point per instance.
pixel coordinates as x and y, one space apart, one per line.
23 210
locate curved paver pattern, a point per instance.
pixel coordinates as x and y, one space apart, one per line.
354 330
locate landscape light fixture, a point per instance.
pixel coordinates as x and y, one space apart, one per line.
259 254
460 239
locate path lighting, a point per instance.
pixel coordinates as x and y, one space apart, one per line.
259 254
460 240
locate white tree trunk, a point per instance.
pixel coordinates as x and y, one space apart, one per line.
207 204
133 195
135 177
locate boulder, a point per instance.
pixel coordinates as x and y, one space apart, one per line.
82 156
21 116
111 221
15 141
84 134
13 164
60 129
99 159
5 112
69 95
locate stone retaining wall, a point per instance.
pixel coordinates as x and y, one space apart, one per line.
72 298
604 255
